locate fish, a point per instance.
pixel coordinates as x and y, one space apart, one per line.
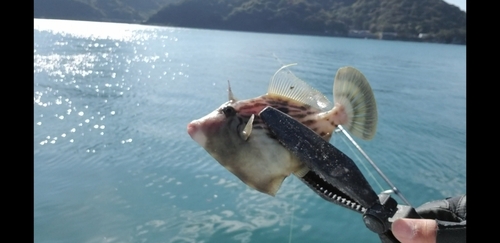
236 137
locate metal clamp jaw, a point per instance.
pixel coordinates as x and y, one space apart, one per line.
334 176
380 216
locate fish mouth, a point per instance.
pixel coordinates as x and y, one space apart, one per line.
194 130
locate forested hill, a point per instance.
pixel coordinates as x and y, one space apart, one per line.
432 19
126 11
415 20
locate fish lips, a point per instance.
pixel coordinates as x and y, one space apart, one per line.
202 128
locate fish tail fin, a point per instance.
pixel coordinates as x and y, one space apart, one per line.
352 91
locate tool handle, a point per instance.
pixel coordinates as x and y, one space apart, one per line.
380 216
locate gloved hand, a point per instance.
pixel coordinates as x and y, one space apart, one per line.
444 221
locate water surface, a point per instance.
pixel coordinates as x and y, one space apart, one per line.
113 161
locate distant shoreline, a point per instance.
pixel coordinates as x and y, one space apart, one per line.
377 36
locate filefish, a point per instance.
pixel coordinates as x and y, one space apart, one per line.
236 137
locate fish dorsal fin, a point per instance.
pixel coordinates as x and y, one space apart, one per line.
230 93
284 83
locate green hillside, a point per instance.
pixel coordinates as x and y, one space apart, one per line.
416 20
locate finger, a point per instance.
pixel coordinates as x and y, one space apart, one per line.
415 230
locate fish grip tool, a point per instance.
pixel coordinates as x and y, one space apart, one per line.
335 177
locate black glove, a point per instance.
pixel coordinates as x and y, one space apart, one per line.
450 215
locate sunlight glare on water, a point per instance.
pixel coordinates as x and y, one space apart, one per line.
112 31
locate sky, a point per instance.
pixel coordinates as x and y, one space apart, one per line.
458 3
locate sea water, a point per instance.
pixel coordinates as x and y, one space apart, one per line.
113 161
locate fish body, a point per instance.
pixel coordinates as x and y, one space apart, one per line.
236 137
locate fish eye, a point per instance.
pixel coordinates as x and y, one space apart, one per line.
228 111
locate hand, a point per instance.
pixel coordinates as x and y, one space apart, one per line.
415 230
443 221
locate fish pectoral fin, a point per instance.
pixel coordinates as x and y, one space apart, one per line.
248 128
